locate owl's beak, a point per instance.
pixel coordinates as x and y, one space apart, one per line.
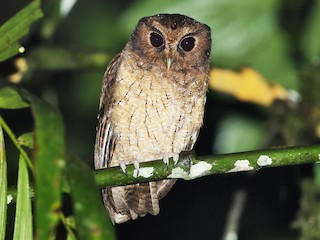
169 62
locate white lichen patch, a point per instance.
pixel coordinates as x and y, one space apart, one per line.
198 169
178 172
264 160
143 172
241 165
9 198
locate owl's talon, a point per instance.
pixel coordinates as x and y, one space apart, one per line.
123 167
136 166
166 160
175 158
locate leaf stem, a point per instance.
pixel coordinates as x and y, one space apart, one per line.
16 143
67 226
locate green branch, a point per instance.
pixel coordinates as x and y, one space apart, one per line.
191 166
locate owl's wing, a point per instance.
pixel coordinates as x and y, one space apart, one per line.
104 139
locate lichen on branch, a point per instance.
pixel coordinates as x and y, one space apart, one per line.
191 166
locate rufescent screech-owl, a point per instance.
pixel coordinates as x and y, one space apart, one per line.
152 106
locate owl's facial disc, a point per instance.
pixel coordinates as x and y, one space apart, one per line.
171 42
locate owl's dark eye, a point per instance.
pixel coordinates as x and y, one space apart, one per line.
187 44
156 39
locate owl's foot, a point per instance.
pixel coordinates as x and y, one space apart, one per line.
123 167
166 160
136 166
175 158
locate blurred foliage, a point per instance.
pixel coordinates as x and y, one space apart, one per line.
91 224
15 28
66 54
23 226
310 44
3 186
235 127
246 85
307 221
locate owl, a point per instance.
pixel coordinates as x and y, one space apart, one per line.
151 106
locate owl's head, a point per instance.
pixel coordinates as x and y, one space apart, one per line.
172 41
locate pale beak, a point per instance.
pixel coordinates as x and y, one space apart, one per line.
169 62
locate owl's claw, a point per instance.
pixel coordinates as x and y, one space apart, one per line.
166 160
175 158
123 167
136 166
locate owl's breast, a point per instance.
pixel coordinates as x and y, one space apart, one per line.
156 113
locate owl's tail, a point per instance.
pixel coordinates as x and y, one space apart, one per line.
133 201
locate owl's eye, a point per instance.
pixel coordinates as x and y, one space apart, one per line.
156 39
187 44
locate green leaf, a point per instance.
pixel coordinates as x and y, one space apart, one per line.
15 28
49 159
237 133
23 219
15 142
11 99
3 187
273 62
311 35
91 217
26 140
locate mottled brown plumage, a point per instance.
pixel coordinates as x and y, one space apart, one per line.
152 106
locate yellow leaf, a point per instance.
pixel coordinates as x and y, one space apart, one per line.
246 85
